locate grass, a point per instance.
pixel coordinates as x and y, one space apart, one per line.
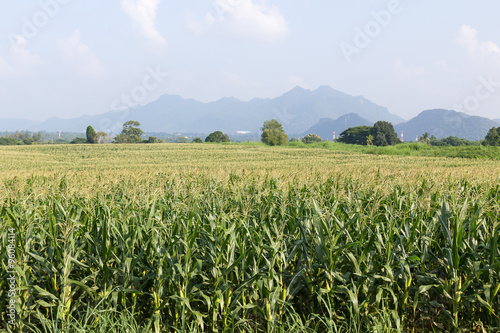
244 238
411 149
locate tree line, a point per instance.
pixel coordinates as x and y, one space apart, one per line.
132 133
21 138
382 133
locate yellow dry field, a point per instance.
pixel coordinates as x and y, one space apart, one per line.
89 168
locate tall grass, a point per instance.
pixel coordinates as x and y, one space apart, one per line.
411 149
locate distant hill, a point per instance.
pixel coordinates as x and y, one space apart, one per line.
445 123
297 110
497 121
326 126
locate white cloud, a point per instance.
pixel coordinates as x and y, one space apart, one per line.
245 19
467 38
81 56
233 78
483 56
194 25
404 72
22 54
22 58
210 19
477 93
443 66
5 68
296 81
143 14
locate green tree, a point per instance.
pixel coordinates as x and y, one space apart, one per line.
425 138
384 134
152 139
311 138
452 141
37 136
10 141
273 133
29 141
197 140
131 133
78 141
21 135
91 135
182 139
102 138
493 137
355 135
294 140
218 137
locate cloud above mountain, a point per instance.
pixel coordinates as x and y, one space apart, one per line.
469 40
405 72
80 56
143 15
247 19
20 58
483 56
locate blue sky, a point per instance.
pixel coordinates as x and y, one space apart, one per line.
66 58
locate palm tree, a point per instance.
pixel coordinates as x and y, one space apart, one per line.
424 138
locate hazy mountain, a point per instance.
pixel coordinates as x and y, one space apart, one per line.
297 110
303 108
445 123
326 126
440 123
15 124
497 120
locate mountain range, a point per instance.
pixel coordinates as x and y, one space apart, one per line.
440 123
297 110
445 123
326 126
301 111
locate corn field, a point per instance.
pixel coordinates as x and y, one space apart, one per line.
207 238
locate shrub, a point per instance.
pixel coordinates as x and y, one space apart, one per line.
218 137
311 138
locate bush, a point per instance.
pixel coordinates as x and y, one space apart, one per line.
311 138
79 140
182 139
10 141
355 135
152 139
218 137
102 138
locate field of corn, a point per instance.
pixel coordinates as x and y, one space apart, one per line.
242 238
